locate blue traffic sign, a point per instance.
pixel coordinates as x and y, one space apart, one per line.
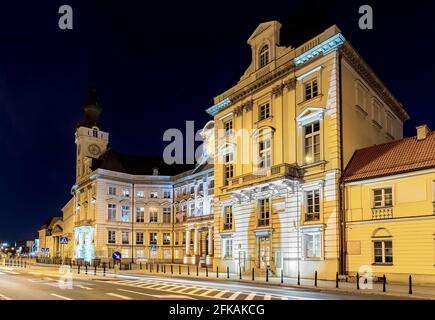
45 249
63 240
153 248
116 256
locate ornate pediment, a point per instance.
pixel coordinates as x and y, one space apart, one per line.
309 115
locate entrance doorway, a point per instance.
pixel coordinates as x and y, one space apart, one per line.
264 252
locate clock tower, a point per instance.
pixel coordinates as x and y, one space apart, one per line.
90 140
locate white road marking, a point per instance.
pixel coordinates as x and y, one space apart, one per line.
3 297
221 294
60 297
84 287
204 294
284 298
251 296
169 296
118 296
235 295
1 273
267 297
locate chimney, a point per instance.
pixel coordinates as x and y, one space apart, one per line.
422 132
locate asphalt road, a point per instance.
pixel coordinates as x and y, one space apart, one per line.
28 284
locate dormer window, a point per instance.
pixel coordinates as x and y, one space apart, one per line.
95 132
264 56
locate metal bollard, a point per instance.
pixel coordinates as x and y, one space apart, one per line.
86 268
357 281
172 269
228 272
104 270
164 268
336 279
206 271
299 278
384 284
253 274
95 270
282 276
197 270
315 278
179 269
410 284
267 274
240 273
78 269
157 270
188 270
217 272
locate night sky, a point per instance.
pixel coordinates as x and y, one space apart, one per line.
154 67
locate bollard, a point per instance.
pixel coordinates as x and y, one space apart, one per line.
217 272
86 268
336 279
179 269
384 284
197 270
157 268
299 278
140 265
78 269
104 269
240 273
228 272
315 279
410 284
25 264
172 269
282 277
188 270
267 274
164 268
206 271
253 274
95 270
357 281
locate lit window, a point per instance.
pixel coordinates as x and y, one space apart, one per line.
382 198
153 216
228 217
312 142
200 208
264 154
228 127
95 132
153 195
126 192
140 214
166 238
125 213
139 237
112 191
153 238
111 237
140 194
124 236
312 205
264 111
228 248
192 209
211 184
311 89
264 56
312 245
228 167
167 215
167 195
111 212
263 212
383 251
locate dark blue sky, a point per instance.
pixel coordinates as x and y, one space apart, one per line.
156 66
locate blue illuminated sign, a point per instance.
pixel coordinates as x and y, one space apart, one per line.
116 256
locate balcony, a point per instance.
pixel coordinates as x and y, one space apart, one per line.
284 170
263 222
382 213
228 226
199 218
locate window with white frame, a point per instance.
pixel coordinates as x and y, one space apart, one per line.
111 212
140 214
153 238
227 245
153 215
166 238
211 207
264 111
389 125
167 215
153 195
139 237
361 96
312 205
126 192
383 251
125 213
382 197
377 112
211 184
311 89
263 212
228 167
112 191
228 127
264 56
200 208
167 195
312 245
264 153
111 237
192 209
140 194
124 236
228 217
312 142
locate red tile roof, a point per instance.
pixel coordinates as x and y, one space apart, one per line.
392 158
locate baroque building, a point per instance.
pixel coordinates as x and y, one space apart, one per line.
284 134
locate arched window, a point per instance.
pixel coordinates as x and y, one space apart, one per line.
95 132
264 56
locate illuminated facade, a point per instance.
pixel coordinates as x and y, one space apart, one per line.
285 133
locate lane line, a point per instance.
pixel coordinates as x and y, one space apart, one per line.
284 298
118 296
3 297
251 296
267 297
60 297
84 287
169 296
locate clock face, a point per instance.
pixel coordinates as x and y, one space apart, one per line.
94 149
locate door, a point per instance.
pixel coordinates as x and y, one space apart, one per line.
264 252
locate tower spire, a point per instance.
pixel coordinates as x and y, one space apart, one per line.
92 110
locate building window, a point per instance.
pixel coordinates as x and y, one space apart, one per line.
263 212
227 245
312 142
200 208
228 127
153 238
166 238
312 205
311 89
192 189
166 215
111 237
153 216
139 237
377 112
124 236
228 217
264 56
111 212
383 251
140 214
112 191
95 132
228 167
153 195
264 154
211 207
211 184
126 192
192 209
140 194
264 111
312 245
382 198
125 213
167 195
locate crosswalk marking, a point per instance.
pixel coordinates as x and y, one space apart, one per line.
170 296
204 294
235 295
118 296
267 297
60 297
3 297
219 295
251 296
84 287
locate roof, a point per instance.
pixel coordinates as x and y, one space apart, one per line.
392 158
49 221
136 165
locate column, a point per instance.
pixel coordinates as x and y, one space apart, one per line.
187 242
195 242
210 241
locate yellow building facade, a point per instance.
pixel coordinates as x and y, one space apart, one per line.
390 216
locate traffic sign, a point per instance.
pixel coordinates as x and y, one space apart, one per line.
116 256
63 240
45 249
153 248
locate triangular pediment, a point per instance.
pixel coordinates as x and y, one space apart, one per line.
310 114
261 28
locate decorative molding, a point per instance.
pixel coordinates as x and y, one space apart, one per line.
322 48
218 107
278 90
